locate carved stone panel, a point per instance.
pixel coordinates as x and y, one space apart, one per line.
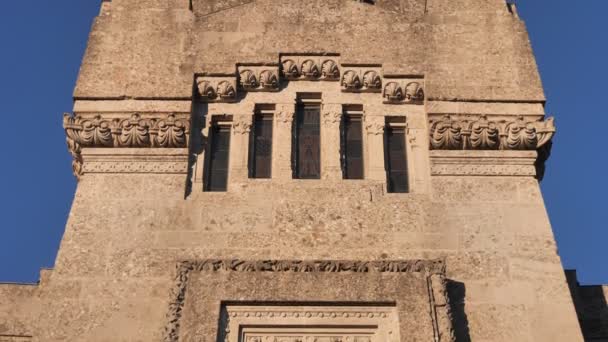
361 79
221 88
259 78
294 300
403 90
310 68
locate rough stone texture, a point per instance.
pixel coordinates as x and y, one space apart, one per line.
140 209
469 49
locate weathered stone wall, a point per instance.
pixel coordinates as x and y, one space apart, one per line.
468 49
19 306
138 212
126 233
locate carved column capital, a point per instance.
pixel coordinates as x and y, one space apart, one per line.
241 124
331 113
285 113
374 125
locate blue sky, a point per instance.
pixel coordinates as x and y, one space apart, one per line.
42 44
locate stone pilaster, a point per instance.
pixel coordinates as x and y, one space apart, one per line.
330 141
374 127
281 163
239 149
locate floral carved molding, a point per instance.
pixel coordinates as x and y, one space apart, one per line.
481 133
352 78
134 131
434 270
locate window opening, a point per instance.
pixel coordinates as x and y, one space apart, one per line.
307 146
219 155
260 159
396 157
351 134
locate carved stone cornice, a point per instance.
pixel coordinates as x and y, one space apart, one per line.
448 133
135 131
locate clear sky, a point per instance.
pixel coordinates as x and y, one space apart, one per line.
42 45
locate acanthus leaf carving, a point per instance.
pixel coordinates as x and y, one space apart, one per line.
480 133
160 131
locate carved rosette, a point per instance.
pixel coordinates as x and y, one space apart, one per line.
166 131
311 68
403 91
448 133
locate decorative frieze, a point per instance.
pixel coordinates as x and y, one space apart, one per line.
483 163
403 91
220 88
259 78
451 133
310 68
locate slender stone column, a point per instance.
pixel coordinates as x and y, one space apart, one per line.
330 141
374 126
282 140
239 149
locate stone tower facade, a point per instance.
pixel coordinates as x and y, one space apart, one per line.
283 170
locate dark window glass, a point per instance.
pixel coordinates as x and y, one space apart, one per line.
307 149
261 148
217 177
352 147
396 161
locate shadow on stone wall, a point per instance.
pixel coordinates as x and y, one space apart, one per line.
457 294
591 308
